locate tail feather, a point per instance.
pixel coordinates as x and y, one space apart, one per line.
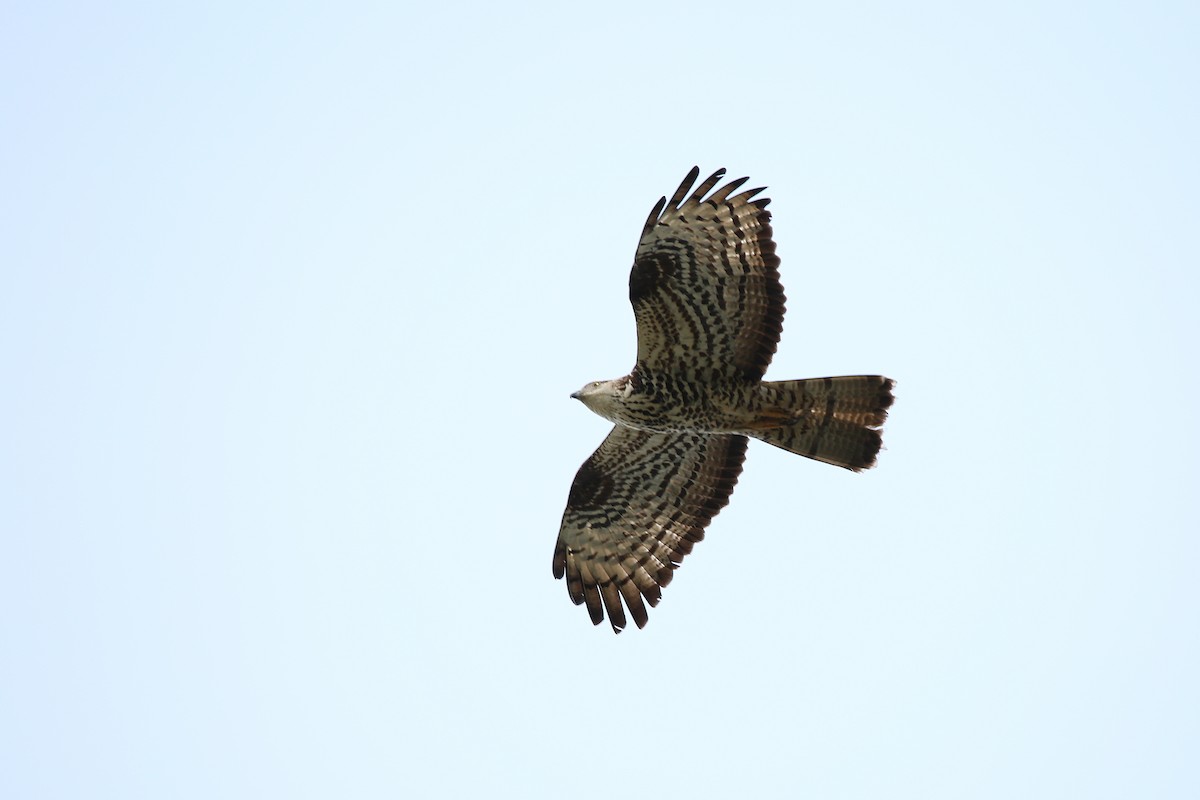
834 420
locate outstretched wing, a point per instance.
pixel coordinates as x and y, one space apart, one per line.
705 284
636 508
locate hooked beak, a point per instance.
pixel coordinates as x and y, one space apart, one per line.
574 395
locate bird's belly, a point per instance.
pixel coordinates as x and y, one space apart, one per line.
665 417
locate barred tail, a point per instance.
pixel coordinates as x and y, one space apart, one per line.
834 420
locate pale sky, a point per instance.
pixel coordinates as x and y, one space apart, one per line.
293 300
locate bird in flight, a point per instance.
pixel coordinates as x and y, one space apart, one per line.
709 309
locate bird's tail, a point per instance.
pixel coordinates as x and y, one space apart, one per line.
835 420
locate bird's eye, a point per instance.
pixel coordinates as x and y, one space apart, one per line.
595 383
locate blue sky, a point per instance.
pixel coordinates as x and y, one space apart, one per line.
294 297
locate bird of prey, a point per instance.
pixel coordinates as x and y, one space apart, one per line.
709 309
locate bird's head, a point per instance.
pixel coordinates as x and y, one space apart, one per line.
603 397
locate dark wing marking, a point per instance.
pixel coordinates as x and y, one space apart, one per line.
636 508
705 283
